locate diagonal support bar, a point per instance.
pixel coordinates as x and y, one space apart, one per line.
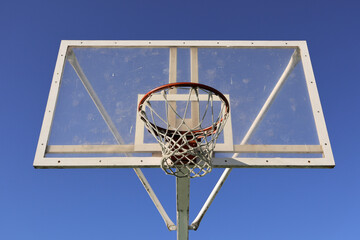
295 58
75 64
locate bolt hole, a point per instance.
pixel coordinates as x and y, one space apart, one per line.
325 143
141 160
267 160
252 43
217 43
286 43
149 42
309 161
59 161
183 42
225 160
99 160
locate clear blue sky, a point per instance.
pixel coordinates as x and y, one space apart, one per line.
111 203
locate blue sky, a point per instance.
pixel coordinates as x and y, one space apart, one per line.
111 203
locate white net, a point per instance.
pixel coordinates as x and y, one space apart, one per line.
186 121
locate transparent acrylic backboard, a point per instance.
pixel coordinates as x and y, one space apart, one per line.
91 117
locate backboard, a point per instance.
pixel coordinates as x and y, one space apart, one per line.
91 116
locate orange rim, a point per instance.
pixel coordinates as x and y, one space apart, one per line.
186 84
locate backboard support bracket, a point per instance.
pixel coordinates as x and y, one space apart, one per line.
75 64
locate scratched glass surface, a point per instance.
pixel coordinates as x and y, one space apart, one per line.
247 75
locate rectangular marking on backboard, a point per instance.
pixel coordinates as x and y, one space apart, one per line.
140 146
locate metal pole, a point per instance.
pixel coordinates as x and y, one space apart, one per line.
182 207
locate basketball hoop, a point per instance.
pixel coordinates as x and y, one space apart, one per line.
187 144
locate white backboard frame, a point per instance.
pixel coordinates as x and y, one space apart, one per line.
324 147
